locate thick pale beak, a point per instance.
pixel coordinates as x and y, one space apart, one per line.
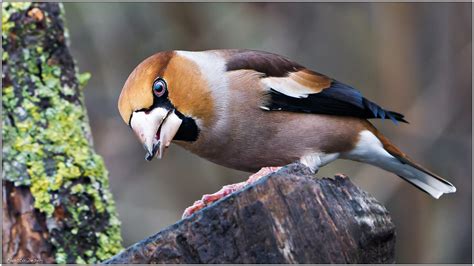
155 130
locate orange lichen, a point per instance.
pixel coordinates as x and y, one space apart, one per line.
36 13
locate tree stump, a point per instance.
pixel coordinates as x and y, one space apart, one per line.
57 207
286 217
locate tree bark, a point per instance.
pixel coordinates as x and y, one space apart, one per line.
57 207
286 217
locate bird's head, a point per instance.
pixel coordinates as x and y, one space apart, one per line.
164 99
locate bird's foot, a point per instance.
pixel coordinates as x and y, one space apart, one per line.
226 190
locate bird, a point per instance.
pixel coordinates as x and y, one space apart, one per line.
257 111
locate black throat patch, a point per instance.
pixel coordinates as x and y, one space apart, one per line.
188 131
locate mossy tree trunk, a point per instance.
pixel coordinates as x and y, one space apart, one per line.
56 201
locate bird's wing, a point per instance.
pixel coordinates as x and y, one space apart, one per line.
292 87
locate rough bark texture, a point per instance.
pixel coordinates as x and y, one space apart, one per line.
56 203
287 217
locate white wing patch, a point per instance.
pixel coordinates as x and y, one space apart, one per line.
298 84
287 86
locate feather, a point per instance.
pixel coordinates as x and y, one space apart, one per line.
373 148
292 87
338 99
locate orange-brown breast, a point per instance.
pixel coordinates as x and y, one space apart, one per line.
189 90
136 93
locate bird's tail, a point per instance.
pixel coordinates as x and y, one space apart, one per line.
390 158
422 178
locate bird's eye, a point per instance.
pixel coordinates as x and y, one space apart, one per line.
159 87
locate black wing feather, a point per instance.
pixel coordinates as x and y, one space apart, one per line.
339 99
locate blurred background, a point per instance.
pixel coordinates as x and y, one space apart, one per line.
414 58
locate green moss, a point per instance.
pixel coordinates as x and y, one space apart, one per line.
80 260
44 125
61 256
107 242
83 78
79 188
7 10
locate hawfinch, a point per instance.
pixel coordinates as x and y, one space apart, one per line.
248 110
